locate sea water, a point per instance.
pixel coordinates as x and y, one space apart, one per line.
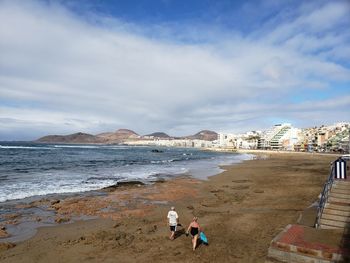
31 169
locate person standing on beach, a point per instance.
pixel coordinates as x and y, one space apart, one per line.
194 228
173 220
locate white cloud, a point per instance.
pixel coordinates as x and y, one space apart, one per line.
58 70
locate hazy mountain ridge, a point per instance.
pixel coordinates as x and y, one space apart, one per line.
120 136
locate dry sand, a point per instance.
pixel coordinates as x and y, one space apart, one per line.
240 210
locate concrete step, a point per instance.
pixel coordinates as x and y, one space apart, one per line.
336 195
332 223
336 212
339 218
344 207
341 182
330 227
340 186
338 200
340 190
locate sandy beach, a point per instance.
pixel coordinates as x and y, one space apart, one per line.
240 210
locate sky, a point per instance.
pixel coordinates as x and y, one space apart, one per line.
171 65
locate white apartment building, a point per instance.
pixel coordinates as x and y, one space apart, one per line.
279 137
247 140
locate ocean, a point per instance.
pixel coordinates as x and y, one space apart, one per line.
29 170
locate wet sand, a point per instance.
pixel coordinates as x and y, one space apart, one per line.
240 210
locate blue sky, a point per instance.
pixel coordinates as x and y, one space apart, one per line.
172 66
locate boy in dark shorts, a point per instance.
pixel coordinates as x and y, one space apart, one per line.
173 220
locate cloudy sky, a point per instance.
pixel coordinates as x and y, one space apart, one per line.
171 65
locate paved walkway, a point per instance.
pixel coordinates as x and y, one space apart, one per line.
297 243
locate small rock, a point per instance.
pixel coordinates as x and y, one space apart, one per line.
60 220
6 246
53 202
190 207
3 233
117 224
258 191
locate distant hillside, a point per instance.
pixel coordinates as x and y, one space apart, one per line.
204 135
72 138
159 135
118 136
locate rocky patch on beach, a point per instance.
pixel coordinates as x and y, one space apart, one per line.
6 246
3 232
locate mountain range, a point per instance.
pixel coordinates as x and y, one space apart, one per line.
121 136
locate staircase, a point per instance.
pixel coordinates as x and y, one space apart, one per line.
336 212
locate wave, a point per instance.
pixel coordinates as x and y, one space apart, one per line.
59 189
77 146
163 161
25 147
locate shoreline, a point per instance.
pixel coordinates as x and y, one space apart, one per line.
219 198
173 162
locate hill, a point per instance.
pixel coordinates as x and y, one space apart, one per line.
204 135
118 136
71 138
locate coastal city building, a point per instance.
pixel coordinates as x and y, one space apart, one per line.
332 138
280 137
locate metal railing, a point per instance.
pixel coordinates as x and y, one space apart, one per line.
324 195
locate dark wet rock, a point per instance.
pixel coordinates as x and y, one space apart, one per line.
216 191
53 202
156 151
240 187
240 181
117 224
130 183
119 184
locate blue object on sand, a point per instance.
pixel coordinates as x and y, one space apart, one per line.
203 237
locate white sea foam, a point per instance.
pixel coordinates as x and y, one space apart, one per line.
117 147
24 147
36 190
77 146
